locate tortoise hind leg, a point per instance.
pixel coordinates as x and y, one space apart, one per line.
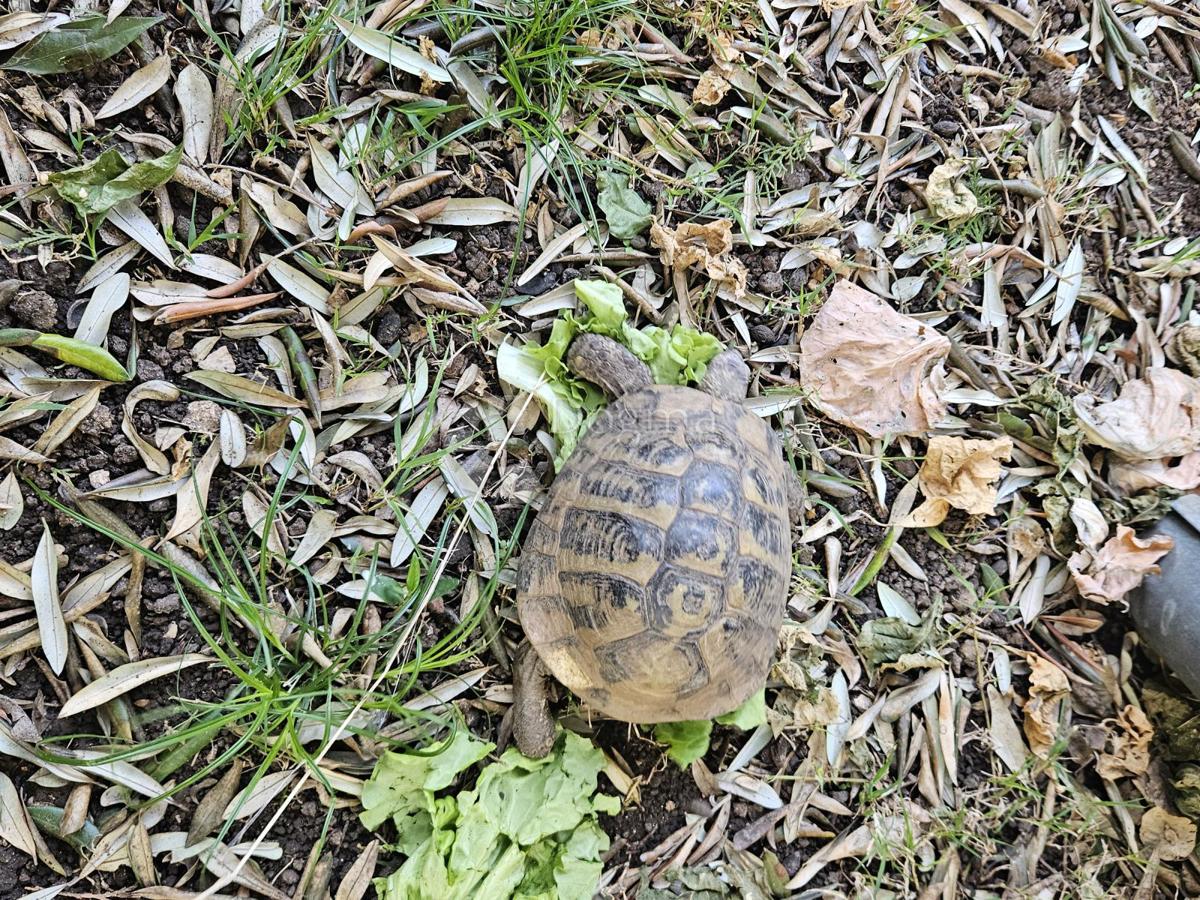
533 726
727 377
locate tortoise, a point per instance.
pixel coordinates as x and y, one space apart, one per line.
654 580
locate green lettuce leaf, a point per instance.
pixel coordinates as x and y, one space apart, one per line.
749 715
627 214
402 786
686 741
679 356
528 829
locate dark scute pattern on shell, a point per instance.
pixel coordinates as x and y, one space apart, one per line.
626 484
602 588
669 558
614 535
679 600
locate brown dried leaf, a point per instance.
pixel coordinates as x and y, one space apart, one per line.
1171 837
1119 566
1154 417
947 197
871 368
211 809
1130 753
708 247
1048 686
1149 474
357 881
963 472
711 88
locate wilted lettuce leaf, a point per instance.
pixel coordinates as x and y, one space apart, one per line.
78 44
100 184
679 356
627 214
749 715
686 741
402 788
527 830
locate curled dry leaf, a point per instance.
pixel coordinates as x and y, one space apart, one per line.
1048 686
963 472
872 368
708 247
1130 739
1119 566
1149 474
1155 417
1170 837
947 196
711 88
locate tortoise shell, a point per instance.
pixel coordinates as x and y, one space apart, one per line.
653 582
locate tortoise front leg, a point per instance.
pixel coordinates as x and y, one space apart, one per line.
727 377
533 726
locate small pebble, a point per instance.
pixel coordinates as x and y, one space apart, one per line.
148 370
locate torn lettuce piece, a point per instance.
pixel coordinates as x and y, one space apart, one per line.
678 356
627 214
528 830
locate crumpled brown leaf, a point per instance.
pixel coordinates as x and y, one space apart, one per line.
1130 754
1170 837
963 472
1154 417
711 88
872 368
1148 474
1119 565
946 195
705 246
1048 687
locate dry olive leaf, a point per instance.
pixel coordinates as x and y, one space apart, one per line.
1130 754
44 580
1170 837
871 368
1154 417
195 96
125 678
708 247
963 472
1119 566
139 86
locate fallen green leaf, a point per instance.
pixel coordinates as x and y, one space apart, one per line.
49 820
87 356
99 185
78 44
627 214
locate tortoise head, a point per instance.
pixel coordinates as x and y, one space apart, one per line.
612 367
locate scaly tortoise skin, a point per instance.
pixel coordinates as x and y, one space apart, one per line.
653 582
